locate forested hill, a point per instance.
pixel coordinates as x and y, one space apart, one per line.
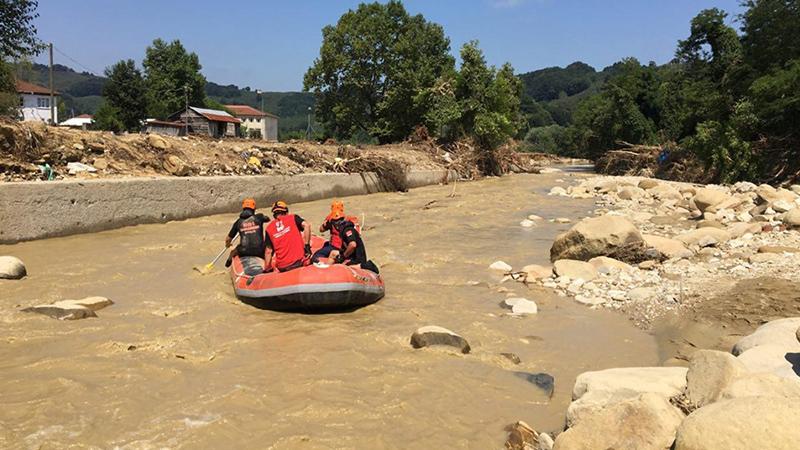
82 93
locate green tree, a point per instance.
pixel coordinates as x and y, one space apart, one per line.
17 32
771 33
125 92
375 71
107 118
171 73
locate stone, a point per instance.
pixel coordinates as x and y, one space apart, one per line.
513 357
764 258
521 306
537 272
770 195
501 266
738 230
710 372
782 206
596 236
176 166
647 265
521 437
589 300
604 264
558 190
562 220
527 223
575 269
157 142
535 218
630 193
648 183
665 192
664 381
100 163
12 268
642 294
671 248
93 303
777 249
710 223
647 422
708 197
544 381
774 359
742 423
593 401
694 237
762 385
434 335
777 332
65 311
792 218
545 442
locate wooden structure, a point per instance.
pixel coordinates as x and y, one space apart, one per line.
208 122
165 128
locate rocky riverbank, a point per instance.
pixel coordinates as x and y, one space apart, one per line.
723 255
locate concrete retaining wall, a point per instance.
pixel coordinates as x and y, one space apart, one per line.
35 210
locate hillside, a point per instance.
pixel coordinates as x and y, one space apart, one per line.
82 94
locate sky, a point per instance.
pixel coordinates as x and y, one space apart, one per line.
269 44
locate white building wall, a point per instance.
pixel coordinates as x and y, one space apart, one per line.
32 111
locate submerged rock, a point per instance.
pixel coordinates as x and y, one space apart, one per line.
543 381
520 306
433 335
12 268
72 309
501 266
596 236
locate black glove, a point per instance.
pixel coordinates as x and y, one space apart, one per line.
308 249
339 259
229 261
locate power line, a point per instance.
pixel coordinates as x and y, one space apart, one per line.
92 71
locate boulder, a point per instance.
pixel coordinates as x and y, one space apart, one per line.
536 272
777 332
738 230
664 381
432 335
665 192
710 372
176 166
12 268
597 236
647 422
792 218
742 423
93 303
671 248
544 381
762 385
593 401
72 309
604 264
648 183
769 195
774 359
708 197
782 206
704 236
157 142
574 269
501 266
630 193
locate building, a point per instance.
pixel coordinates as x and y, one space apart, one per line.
208 122
163 127
83 121
34 102
263 125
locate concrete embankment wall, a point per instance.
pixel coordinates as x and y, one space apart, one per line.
35 210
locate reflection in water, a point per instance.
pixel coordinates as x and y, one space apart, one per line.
178 361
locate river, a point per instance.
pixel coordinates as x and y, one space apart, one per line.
179 362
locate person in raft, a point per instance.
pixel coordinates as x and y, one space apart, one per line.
332 246
288 238
352 251
250 228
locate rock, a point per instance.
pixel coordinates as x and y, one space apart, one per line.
792 218
176 166
762 385
782 206
535 218
12 268
742 423
706 235
522 437
671 248
589 300
665 192
527 223
764 258
664 381
604 264
575 269
738 230
708 197
520 306
710 223
93 303
72 309
501 266
593 401
562 220
558 190
642 294
100 163
630 193
545 442
774 359
433 335
157 142
543 381
647 265
777 332
770 195
514 358
777 249
646 422
536 272
648 183
710 372
597 236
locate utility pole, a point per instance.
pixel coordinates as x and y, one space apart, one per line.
309 128
52 90
186 113
260 93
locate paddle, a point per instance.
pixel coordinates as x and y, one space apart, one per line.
207 268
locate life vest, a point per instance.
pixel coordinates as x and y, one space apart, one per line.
287 241
251 236
336 238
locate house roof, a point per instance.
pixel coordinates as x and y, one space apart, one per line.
248 111
79 121
85 116
23 87
164 123
215 115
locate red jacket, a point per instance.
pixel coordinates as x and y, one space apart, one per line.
287 241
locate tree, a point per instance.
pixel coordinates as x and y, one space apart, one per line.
9 99
771 33
17 33
125 92
171 73
107 118
375 70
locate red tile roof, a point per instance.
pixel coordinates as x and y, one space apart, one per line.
248 111
84 116
23 87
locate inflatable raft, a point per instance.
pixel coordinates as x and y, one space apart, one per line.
315 287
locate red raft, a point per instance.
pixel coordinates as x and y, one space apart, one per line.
309 288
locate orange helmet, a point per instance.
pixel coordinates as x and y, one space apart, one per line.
337 210
280 206
249 203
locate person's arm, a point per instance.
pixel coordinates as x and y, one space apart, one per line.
325 226
305 226
268 253
231 234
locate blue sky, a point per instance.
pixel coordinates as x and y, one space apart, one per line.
269 44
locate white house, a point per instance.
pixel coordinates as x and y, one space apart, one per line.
264 123
34 102
83 121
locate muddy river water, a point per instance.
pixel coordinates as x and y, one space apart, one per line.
179 362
